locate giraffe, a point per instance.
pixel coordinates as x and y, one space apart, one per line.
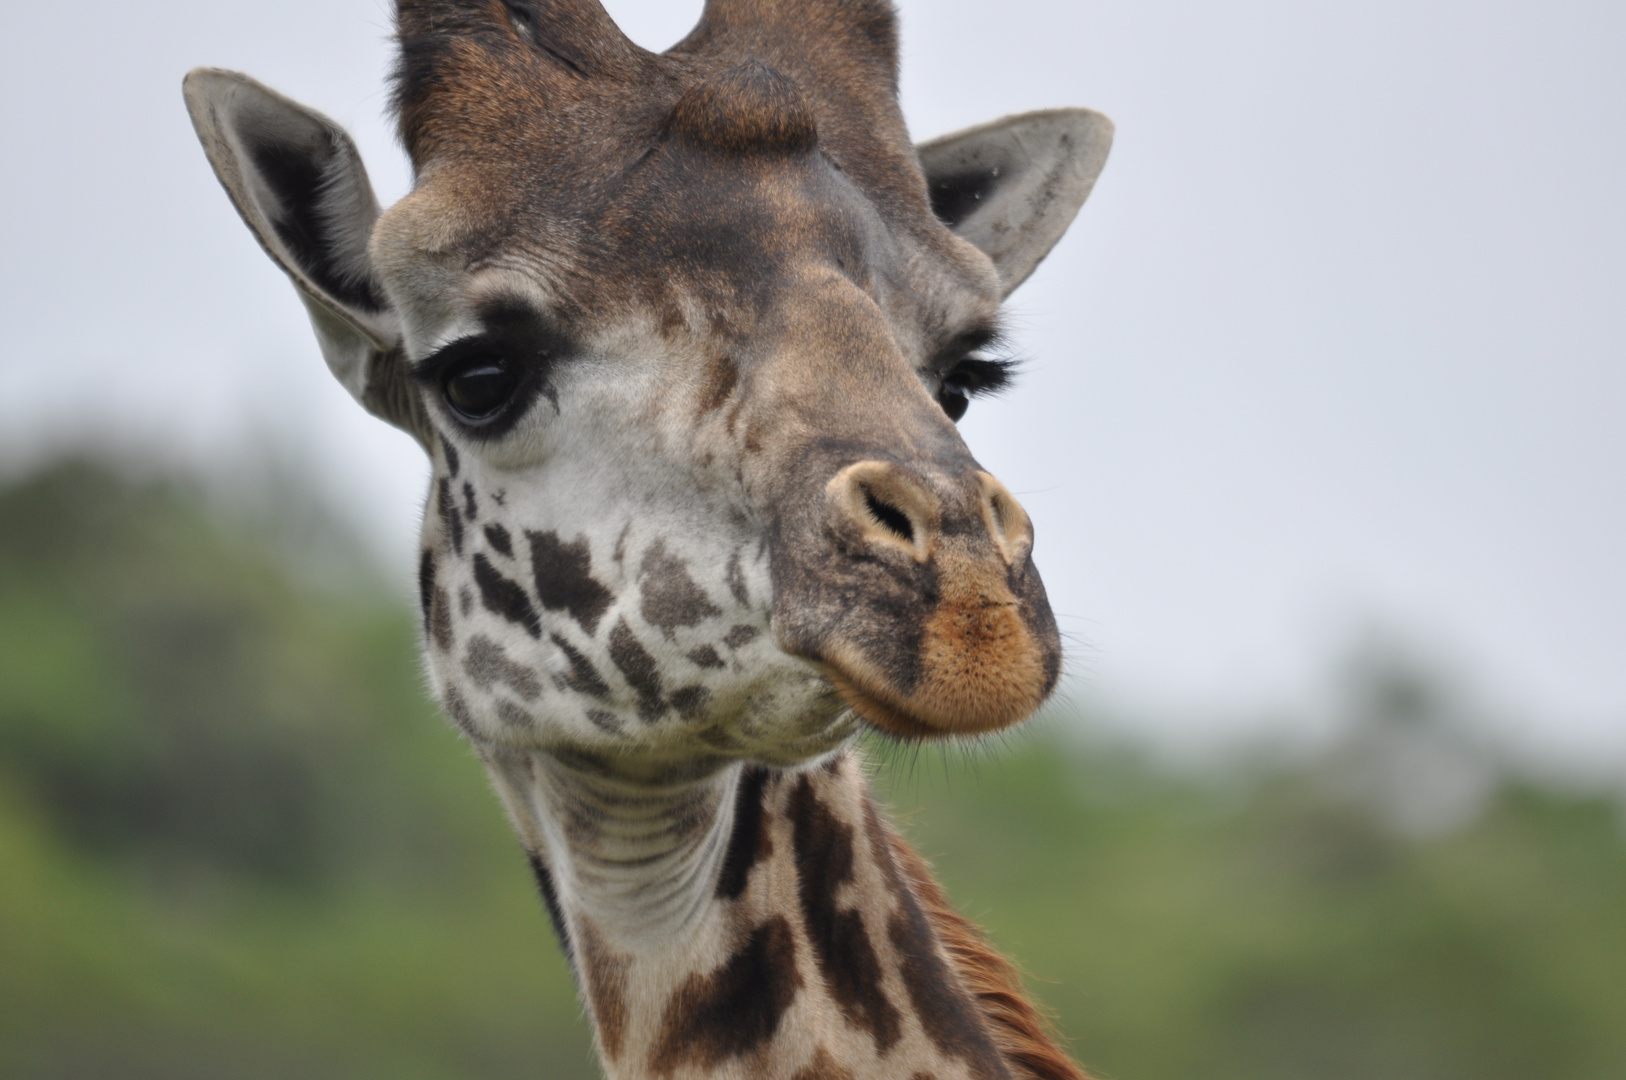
685 337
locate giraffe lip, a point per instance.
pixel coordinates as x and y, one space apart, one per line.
980 668
878 715
902 723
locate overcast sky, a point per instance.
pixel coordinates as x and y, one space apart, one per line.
1338 342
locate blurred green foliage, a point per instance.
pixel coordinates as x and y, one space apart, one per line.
236 841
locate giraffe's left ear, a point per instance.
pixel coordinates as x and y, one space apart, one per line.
298 182
1013 186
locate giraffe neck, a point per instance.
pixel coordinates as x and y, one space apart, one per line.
732 921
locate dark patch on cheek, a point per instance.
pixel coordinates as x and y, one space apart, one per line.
426 584
749 840
440 620
734 1010
449 516
740 635
705 657
721 378
582 677
470 507
504 597
452 463
841 944
564 579
457 709
514 716
465 601
498 538
670 596
604 721
487 664
946 1012
641 672
736 580
556 915
690 701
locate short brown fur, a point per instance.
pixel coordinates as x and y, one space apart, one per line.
605 975
823 1067
1019 1029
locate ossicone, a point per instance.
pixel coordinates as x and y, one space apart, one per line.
747 109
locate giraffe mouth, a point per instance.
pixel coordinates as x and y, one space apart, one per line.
918 600
879 716
980 669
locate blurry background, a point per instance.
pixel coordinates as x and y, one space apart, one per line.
1321 429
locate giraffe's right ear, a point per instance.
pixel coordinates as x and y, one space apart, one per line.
300 186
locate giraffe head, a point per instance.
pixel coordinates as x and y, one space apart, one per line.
685 337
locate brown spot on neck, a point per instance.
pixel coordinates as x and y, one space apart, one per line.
606 973
487 664
823 1067
750 842
841 943
736 1009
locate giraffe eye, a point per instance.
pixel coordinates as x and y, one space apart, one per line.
971 376
954 400
478 388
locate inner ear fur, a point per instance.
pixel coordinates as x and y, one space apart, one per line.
299 183
1013 186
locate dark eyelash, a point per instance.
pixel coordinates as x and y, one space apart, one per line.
978 375
980 363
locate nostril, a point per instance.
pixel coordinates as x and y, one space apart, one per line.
1008 524
881 506
890 516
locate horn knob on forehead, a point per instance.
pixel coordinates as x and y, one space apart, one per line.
750 108
470 70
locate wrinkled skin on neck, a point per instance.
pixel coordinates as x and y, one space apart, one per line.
757 922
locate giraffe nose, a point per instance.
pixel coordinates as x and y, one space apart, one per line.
891 507
927 613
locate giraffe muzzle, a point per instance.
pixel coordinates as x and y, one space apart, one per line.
929 617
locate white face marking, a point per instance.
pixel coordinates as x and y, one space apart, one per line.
620 590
